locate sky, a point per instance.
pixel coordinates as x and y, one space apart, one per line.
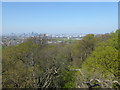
0 19
59 17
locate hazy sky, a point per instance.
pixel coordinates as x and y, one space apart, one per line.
60 17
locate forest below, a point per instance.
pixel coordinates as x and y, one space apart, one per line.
92 62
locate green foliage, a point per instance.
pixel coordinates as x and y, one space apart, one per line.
34 63
82 49
68 79
15 73
116 85
104 63
106 58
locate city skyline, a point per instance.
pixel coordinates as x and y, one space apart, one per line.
60 17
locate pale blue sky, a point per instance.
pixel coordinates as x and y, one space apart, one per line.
61 17
0 18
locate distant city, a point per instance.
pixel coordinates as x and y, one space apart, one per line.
14 39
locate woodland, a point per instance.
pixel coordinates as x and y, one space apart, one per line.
93 62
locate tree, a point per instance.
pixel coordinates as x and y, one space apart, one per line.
82 49
104 63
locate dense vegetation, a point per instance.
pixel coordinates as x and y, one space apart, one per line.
92 62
